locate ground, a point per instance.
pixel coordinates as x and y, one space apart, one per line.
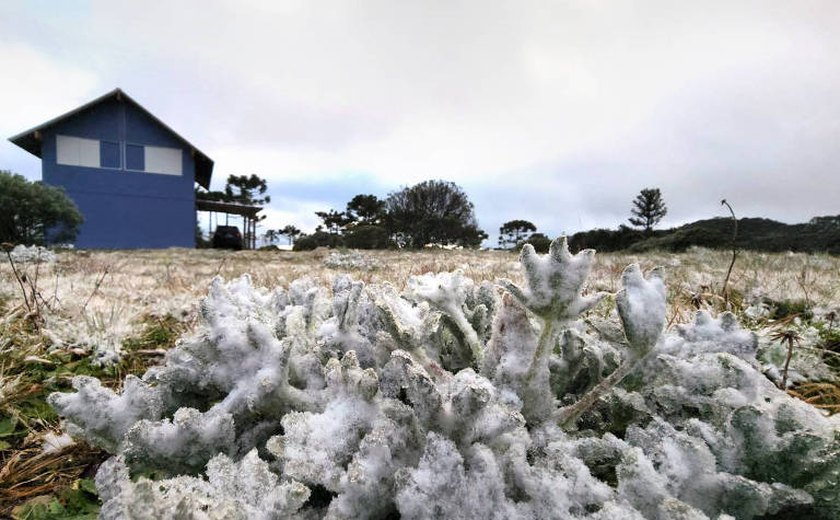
115 313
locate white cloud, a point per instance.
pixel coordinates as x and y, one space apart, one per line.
571 106
36 88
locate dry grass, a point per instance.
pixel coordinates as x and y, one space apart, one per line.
823 395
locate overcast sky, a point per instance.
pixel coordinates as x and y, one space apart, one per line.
557 112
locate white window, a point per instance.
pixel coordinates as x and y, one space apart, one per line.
76 151
163 160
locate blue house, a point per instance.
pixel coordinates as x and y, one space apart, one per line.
131 176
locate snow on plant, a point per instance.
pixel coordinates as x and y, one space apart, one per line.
32 254
351 260
451 401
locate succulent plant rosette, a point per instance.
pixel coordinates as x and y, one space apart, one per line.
453 399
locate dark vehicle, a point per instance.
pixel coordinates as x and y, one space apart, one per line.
227 237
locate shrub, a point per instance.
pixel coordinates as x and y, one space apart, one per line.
35 213
317 239
367 237
433 212
539 242
450 400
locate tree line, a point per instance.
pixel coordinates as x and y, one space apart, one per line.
433 212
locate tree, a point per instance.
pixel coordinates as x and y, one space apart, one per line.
291 232
515 231
334 221
366 210
432 212
35 213
367 237
539 241
271 236
648 209
248 190
239 189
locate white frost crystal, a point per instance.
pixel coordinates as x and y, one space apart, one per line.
244 490
32 254
449 401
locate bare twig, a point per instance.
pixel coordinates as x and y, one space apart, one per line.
95 288
8 249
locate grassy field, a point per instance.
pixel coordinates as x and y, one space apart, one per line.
110 314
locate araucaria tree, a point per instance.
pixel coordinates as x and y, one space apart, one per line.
432 212
34 213
514 232
648 209
366 210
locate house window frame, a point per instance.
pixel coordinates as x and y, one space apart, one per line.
120 150
125 146
145 169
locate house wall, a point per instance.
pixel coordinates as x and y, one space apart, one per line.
124 208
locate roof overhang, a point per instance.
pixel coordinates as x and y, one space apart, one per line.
31 140
227 207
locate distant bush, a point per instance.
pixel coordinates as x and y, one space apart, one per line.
318 239
35 213
754 234
539 242
608 239
367 237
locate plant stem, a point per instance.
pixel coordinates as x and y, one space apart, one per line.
19 280
470 336
568 416
724 290
546 342
787 362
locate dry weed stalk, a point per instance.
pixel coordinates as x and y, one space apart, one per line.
788 336
724 291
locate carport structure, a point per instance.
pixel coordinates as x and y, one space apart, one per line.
248 214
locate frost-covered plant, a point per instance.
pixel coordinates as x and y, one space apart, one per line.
351 260
31 254
453 401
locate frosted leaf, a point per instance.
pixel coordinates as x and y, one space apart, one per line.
102 417
411 327
352 325
367 488
447 292
554 281
405 380
510 358
441 487
53 443
641 306
473 412
182 445
708 334
316 447
692 475
233 490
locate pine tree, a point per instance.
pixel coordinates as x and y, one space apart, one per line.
648 209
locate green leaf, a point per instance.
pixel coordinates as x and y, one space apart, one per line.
7 426
88 485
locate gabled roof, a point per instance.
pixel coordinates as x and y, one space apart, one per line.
30 140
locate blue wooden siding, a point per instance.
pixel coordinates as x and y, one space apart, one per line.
124 208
